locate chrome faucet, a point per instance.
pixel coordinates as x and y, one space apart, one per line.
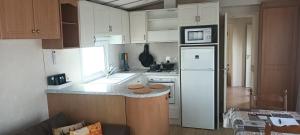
110 70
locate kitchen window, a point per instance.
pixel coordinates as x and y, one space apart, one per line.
93 61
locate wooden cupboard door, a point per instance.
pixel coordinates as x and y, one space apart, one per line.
16 19
116 21
148 116
138 27
101 15
278 52
187 14
208 13
47 19
86 23
125 27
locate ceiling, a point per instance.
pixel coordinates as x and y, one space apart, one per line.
127 4
135 4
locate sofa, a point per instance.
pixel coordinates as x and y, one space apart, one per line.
60 120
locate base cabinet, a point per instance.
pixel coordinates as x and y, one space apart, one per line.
148 116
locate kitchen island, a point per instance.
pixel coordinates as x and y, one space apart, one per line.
145 114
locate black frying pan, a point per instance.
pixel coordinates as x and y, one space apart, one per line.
145 57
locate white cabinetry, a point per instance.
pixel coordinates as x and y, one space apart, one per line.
162 25
97 20
198 14
115 19
86 23
125 27
101 15
138 27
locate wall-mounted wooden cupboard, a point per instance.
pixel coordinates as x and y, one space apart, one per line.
279 48
69 27
198 14
29 19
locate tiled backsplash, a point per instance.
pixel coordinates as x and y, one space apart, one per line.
158 50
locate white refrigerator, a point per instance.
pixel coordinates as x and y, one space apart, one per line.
198 86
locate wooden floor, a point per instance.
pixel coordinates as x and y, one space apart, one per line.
174 130
238 97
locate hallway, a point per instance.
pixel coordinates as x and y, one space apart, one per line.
238 97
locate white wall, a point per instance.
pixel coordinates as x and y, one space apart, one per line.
158 50
238 46
69 61
23 100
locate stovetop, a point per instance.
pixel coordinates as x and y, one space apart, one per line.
161 70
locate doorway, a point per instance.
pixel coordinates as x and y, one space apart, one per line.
238 60
239 75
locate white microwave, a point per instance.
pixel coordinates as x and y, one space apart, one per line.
199 34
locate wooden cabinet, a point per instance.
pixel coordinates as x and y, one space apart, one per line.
69 27
138 27
148 116
279 40
125 27
29 19
47 19
198 14
91 108
86 21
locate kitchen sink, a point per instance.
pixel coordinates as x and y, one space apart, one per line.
116 78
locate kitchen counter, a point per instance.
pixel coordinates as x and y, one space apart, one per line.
107 89
95 88
144 71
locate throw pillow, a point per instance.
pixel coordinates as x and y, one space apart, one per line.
94 129
66 130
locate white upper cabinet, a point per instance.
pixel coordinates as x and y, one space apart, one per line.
198 14
86 21
101 15
125 27
187 14
115 21
138 27
208 13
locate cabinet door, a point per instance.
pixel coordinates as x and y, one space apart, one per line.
16 19
116 21
86 20
279 43
125 27
46 18
138 27
101 16
208 13
187 14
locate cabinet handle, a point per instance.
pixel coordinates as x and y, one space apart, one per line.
38 31
144 36
33 31
199 18
94 39
196 18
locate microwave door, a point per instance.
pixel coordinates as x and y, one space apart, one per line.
194 36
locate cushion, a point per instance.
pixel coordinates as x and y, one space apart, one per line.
94 129
66 130
45 127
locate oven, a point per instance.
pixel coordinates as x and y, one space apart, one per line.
167 82
199 34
